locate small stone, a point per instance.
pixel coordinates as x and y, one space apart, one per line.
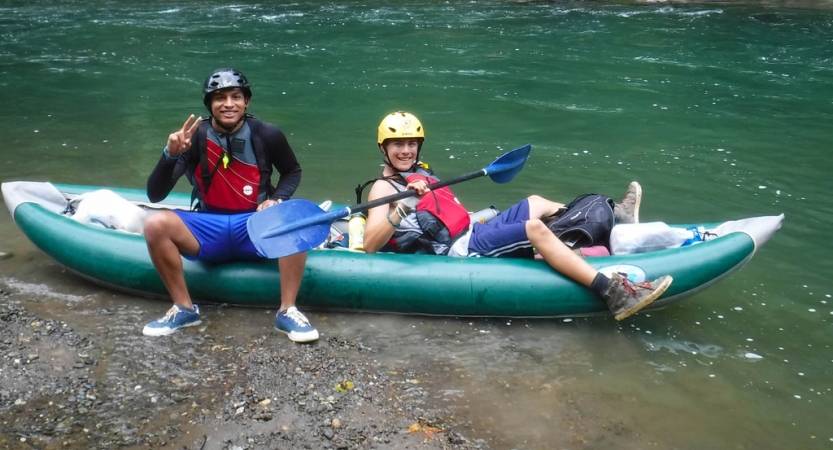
336 423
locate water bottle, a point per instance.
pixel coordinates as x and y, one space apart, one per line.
484 215
355 230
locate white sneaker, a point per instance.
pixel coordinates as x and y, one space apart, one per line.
628 210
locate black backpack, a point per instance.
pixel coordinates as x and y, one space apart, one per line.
584 222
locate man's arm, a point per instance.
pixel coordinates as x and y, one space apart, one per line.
164 176
283 158
379 229
173 162
382 221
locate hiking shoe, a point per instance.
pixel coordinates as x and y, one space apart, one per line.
174 319
295 325
624 297
628 210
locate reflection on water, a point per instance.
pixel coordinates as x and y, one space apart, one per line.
720 111
678 348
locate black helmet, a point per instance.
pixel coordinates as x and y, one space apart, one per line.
224 79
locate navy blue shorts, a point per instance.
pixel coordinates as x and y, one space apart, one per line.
504 234
222 237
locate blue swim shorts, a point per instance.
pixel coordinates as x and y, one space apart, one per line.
504 234
222 237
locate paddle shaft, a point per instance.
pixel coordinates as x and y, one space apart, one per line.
411 192
281 219
332 216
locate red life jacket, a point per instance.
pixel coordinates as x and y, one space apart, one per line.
231 185
440 216
239 185
441 203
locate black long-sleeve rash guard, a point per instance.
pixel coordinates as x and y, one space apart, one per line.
168 171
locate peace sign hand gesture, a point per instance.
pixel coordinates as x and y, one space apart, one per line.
180 141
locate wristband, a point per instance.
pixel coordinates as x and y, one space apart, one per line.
171 158
395 225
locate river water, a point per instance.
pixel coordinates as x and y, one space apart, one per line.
720 111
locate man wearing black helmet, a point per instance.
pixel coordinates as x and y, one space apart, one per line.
228 158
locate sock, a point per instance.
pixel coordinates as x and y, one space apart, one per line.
599 284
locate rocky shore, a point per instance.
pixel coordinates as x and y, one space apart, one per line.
69 389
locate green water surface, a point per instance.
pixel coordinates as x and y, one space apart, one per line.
721 112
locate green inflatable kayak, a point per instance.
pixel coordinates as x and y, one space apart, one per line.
347 280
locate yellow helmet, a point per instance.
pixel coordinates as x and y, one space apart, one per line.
399 125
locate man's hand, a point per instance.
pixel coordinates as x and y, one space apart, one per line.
268 203
180 141
420 186
409 203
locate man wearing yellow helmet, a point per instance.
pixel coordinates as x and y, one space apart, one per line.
400 125
441 220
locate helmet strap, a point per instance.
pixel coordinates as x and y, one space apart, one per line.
228 130
386 158
215 121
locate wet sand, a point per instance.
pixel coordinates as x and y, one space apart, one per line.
76 373
77 377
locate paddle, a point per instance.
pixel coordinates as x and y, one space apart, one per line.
298 225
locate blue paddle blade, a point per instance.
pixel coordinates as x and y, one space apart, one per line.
291 242
508 165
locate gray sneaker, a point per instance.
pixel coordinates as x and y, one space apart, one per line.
624 297
628 210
